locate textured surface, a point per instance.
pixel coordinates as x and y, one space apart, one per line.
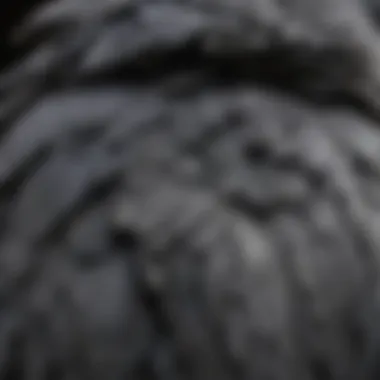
190 190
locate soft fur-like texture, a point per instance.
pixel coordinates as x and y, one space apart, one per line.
190 190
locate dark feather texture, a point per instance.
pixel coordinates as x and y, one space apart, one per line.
190 190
